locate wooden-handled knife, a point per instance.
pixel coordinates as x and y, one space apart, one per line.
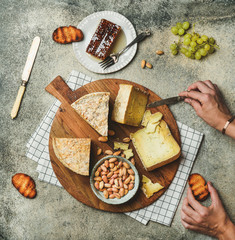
25 76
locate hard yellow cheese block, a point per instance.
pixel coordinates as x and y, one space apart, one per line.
155 146
150 188
129 106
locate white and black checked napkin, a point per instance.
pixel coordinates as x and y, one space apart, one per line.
161 211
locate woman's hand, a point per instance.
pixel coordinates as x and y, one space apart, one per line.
212 220
208 103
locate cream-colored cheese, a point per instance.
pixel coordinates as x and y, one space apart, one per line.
155 147
120 145
129 106
128 153
150 188
146 118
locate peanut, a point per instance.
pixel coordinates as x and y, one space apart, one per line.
106 194
124 171
101 185
111 181
106 163
104 168
99 169
108 152
107 185
103 139
112 160
120 183
111 165
126 140
117 195
123 155
119 164
122 192
116 182
125 186
130 171
105 179
127 180
111 132
132 177
133 161
131 186
99 151
149 65
97 185
143 63
117 153
114 176
98 179
126 165
109 175
126 191
111 196
159 52
97 173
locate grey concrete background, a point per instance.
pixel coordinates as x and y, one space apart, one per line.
54 214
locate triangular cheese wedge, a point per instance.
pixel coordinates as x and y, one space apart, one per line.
94 109
74 153
150 188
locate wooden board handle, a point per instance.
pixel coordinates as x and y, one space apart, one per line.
16 106
59 89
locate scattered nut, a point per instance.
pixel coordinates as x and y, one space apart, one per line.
143 63
99 151
159 52
103 139
126 140
111 132
108 152
117 153
149 65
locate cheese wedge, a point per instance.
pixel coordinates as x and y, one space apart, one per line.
129 106
150 188
155 147
73 153
94 109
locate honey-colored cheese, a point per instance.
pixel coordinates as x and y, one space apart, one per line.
120 145
129 106
155 146
128 153
146 118
150 188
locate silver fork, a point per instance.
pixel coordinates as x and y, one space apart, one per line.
114 57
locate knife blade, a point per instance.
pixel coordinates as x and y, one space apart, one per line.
166 101
25 75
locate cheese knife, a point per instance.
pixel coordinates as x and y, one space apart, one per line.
166 101
25 76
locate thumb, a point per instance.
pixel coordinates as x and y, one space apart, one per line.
214 195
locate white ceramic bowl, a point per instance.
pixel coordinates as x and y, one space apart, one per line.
100 194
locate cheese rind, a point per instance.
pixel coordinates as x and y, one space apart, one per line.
155 149
130 105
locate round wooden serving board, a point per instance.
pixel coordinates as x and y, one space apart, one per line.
67 123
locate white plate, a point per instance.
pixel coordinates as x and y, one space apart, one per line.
88 26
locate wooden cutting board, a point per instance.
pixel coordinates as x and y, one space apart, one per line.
67 123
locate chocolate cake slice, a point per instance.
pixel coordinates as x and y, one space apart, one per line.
103 39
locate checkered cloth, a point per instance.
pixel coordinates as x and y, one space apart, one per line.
162 210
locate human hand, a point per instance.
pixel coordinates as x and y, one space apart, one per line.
212 220
206 99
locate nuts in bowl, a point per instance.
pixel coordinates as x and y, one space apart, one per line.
114 179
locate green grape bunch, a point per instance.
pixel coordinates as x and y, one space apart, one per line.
194 45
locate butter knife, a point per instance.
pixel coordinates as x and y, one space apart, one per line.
25 76
166 101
